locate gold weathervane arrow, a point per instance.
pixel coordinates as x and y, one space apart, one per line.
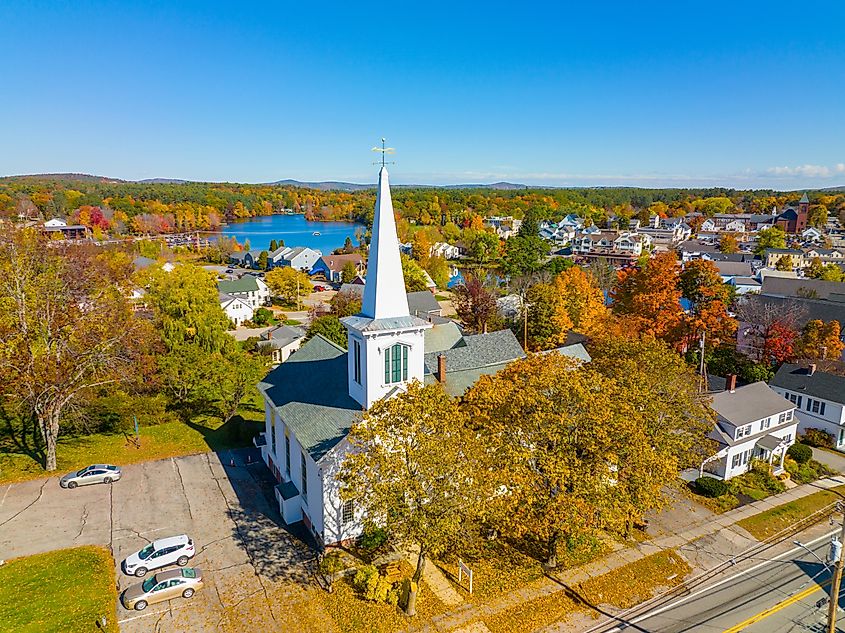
384 152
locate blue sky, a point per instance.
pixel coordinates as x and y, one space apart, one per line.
747 94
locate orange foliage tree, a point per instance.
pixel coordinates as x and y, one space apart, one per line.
649 296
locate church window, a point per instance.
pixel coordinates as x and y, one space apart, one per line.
396 364
348 513
356 346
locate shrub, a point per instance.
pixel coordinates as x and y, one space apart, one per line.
710 487
801 453
817 437
373 539
371 584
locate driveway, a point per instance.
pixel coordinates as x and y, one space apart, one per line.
253 567
830 458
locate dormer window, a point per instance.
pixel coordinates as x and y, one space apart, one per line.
396 364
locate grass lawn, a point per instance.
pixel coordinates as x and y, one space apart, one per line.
169 439
622 588
42 592
770 522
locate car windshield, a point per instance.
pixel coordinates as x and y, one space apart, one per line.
79 473
145 553
149 583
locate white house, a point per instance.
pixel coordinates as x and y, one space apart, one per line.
300 257
444 250
752 422
54 223
235 308
812 234
819 398
250 289
282 340
313 398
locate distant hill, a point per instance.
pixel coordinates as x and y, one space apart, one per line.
838 189
67 176
333 185
162 181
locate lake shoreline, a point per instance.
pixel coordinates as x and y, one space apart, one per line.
293 229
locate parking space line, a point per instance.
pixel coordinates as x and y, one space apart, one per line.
4 495
149 613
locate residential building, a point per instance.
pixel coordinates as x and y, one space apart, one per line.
247 259
444 250
282 340
236 308
695 249
792 219
250 289
505 226
818 396
299 257
54 223
611 245
313 398
744 285
773 255
752 422
331 266
728 270
61 230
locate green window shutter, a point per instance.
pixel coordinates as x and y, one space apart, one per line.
387 366
404 363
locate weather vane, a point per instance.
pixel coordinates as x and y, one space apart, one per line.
384 152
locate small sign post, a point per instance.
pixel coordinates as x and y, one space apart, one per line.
463 570
137 439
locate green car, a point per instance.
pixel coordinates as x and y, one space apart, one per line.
162 587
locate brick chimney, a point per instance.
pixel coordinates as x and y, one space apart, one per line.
811 369
441 368
730 382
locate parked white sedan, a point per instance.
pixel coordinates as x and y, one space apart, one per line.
175 550
94 474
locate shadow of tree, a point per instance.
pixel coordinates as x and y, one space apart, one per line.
20 435
236 433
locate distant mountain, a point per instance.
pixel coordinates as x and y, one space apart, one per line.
834 189
502 186
163 181
67 176
332 185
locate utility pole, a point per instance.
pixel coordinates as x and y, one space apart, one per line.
297 292
836 551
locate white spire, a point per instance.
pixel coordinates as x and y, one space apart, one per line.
384 291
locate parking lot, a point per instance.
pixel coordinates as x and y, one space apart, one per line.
253 569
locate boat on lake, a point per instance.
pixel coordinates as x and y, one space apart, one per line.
316 233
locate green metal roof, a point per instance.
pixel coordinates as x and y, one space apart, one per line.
247 283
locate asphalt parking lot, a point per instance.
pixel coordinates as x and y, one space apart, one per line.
251 565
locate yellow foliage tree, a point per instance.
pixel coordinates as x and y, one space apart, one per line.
580 301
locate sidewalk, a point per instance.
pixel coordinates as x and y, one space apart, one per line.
721 530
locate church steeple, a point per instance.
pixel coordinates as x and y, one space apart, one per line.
384 291
386 344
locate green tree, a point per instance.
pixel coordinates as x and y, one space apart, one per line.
545 329
347 245
415 278
330 327
345 304
348 273
262 260
414 471
774 237
451 232
438 269
274 245
523 255
785 263
237 378
482 246
66 327
817 216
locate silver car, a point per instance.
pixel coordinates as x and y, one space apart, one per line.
94 474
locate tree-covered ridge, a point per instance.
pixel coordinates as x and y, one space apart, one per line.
165 207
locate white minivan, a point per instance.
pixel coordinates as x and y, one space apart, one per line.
175 550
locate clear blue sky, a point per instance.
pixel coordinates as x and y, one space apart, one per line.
740 93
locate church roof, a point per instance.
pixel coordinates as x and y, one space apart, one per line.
309 392
366 324
804 199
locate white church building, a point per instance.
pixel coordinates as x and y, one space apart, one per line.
312 399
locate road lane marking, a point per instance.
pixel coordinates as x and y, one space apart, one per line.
709 588
4 495
778 607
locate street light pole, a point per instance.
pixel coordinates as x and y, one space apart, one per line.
833 607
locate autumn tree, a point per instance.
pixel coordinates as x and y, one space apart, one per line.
288 283
820 340
475 305
649 296
348 272
548 318
817 216
66 327
345 304
421 247
415 276
330 327
580 298
438 270
770 329
728 243
413 470
785 263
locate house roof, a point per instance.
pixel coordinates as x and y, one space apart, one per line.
247 283
805 288
480 350
820 384
310 393
749 403
696 246
335 263
283 335
742 269
422 302
812 308
443 336
225 300
784 251
746 281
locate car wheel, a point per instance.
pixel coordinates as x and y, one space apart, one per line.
182 561
141 572
72 485
106 480
140 605
188 593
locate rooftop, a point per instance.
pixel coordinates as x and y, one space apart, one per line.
749 403
819 384
247 283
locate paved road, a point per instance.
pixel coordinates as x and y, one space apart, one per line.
253 566
777 594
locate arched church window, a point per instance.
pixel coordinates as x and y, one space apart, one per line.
396 364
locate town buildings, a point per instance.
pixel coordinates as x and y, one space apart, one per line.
818 396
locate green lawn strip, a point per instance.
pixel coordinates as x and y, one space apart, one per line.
621 588
762 526
170 439
65 591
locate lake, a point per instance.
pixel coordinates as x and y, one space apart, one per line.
295 230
